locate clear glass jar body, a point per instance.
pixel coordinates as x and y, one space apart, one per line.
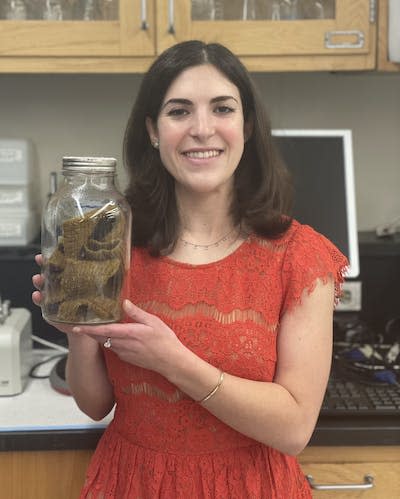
86 241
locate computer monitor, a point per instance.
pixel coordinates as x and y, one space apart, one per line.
321 162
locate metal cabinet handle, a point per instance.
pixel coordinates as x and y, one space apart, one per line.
143 15
358 44
171 17
368 484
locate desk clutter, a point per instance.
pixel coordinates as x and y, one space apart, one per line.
365 376
365 354
15 348
19 193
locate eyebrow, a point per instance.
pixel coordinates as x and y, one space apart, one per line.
187 102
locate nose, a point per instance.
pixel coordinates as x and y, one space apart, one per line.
203 124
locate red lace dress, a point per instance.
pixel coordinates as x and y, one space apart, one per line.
162 444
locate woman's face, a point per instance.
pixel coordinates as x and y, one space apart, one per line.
201 130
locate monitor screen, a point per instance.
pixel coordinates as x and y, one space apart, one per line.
321 162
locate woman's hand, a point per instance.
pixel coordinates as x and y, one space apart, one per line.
37 281
146 341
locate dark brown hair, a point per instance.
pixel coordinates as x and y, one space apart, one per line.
262 188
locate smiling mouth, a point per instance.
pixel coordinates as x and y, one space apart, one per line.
212 153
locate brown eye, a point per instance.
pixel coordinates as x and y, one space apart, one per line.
177 112
224 110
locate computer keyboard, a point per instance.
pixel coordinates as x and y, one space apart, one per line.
350 398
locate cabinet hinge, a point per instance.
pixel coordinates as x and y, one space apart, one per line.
372 11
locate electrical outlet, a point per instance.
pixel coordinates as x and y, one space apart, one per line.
350 301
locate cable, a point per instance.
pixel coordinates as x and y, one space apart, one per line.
49 344
32 373
386 376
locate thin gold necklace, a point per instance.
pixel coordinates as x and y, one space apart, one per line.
211 245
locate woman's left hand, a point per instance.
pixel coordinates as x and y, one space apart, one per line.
146 341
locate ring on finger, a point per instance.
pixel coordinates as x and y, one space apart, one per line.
107 343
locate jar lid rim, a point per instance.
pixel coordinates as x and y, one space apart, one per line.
88 161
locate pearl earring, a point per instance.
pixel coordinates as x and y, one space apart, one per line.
156 144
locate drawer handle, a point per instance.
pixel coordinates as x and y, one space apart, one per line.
144 24
171 17
368 484
330 36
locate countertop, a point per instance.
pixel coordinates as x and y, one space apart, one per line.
40 418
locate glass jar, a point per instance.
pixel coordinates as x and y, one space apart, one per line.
86 238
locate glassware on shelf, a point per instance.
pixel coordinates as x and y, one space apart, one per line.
318 9
207 10
329 8
53 10
290 9
218 9
34 8
109 10
313 9
253 10
201 10
283 10
63 10
90 10
249 10
16 9
276 11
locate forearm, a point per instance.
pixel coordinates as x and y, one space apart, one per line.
283 413
87 378
266 412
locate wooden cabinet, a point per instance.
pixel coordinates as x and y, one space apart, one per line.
60 474
125 43
346 41
143 28
340 466
383 63
131 33
43 474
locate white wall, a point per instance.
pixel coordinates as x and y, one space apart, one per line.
86 115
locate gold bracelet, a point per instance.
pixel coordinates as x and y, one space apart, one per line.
214 390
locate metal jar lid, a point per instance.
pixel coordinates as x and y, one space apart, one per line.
86 164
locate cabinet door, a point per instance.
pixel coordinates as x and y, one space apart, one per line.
383 61
342 471
54 28
348 480
264 29
43 474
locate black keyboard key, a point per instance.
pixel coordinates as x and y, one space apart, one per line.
349 398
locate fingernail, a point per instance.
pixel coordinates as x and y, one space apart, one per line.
76 329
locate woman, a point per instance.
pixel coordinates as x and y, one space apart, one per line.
219 370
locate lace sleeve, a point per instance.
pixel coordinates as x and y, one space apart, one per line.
310 256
